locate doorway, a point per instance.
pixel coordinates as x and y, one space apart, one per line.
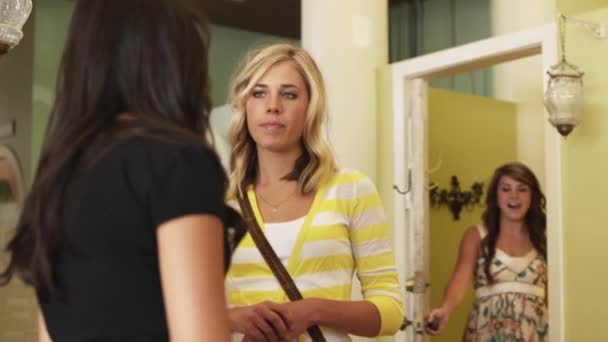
410 202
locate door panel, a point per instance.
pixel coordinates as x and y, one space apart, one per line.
469 136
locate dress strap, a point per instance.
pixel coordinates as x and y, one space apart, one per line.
513 287
482 231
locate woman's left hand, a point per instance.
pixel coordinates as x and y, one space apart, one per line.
300 316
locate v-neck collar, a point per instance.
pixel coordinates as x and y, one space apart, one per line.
292 263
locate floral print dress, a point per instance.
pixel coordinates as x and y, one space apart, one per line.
514 307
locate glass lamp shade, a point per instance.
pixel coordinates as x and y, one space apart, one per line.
564 97
13 14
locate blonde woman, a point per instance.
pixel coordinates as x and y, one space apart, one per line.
325 223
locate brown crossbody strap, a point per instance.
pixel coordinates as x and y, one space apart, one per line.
279 271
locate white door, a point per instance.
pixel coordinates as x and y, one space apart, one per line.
418 227
411 203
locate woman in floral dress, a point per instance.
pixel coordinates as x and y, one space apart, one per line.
505 258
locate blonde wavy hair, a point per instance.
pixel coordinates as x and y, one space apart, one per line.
317 163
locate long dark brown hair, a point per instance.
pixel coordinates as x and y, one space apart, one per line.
144 57
535 219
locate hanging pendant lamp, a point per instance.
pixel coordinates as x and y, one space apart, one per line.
13 15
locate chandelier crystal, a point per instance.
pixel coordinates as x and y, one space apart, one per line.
13 15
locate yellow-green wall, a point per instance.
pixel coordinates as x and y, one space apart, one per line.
27 92
17 304
16 97
471 135
585 167
18 308
384 169
384 125
572 7
51 21
228 46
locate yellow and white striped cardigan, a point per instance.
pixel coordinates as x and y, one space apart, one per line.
344 233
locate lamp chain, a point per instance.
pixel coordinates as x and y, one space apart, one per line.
562 36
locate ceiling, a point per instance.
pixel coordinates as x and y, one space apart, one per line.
275 17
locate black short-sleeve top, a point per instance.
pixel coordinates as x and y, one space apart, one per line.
109 276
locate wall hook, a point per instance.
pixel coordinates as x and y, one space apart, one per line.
409 184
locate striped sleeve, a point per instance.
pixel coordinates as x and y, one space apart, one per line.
373 252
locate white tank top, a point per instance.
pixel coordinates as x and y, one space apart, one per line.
282 236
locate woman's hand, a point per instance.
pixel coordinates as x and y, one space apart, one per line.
438 316
301 315
265 321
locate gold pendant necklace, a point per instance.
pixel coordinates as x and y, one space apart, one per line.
274 208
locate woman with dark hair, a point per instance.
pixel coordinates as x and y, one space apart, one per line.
122 233
506 258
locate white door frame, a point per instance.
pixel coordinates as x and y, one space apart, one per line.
409 134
